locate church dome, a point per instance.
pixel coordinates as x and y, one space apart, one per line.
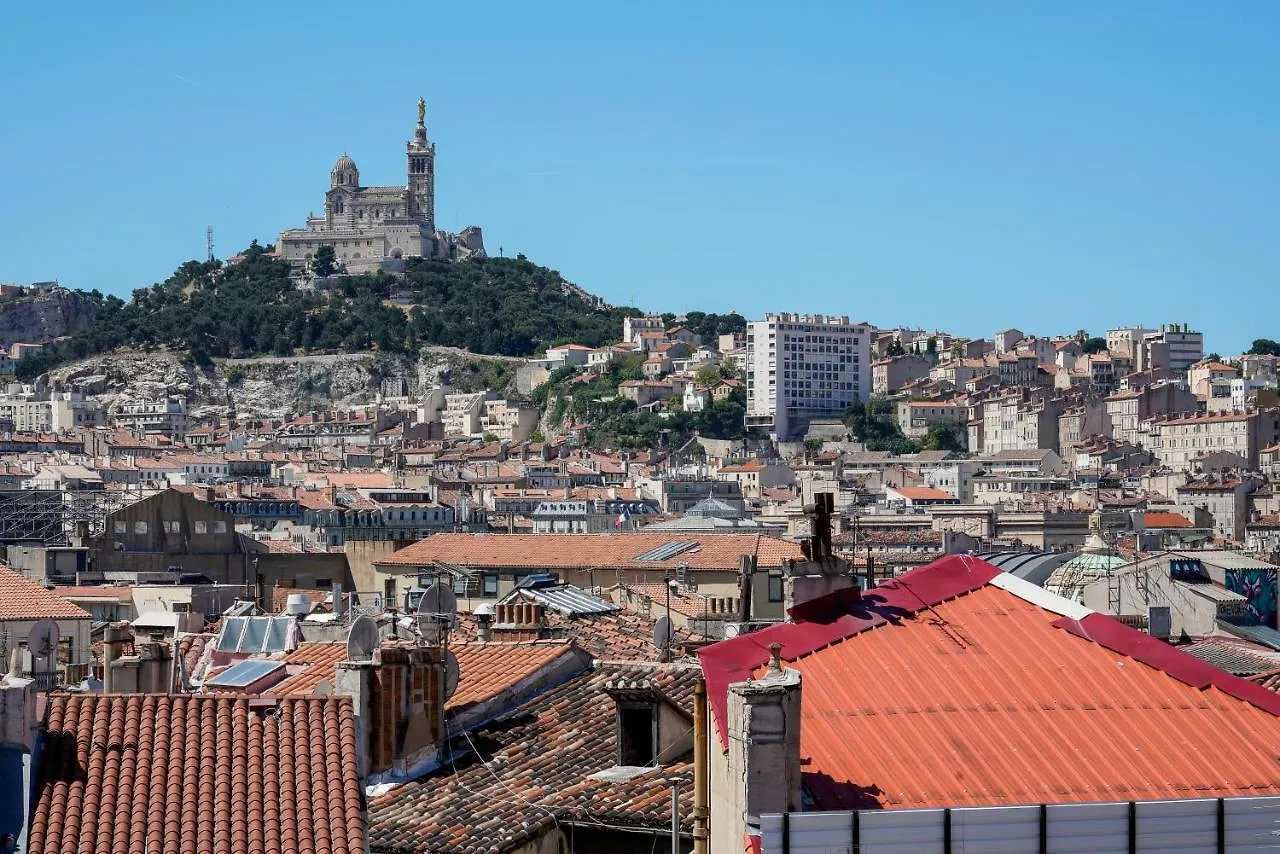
344 164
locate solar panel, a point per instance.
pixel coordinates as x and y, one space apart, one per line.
666 551
232 627
245 673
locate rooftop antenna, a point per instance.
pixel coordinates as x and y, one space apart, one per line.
208 238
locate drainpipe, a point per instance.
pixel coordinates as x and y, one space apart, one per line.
701 815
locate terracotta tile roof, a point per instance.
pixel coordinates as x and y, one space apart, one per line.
486 670
1153 519
21 599
134 772
958 685
308 664
910 537
535 774
191 649
623 636
688 604
923 493
80 592
569 551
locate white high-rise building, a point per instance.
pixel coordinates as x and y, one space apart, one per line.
804 366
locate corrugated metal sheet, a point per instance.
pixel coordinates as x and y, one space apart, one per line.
567 599
982 701
941 689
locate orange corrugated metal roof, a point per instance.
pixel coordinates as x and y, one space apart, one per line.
957 685
1155 519
982 701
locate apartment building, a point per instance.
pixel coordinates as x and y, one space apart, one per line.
1017 368
1180 442
1129 410
1210 382
917 416
167 417
633 327
508 420
804 366
1016 422
1185 347
462 412
889 375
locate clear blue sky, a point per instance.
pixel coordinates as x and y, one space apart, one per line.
967 166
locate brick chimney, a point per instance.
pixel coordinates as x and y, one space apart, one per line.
398 707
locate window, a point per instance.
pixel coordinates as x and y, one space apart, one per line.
490 585
775 588
140 527
172 527
219 527
636 725
121 527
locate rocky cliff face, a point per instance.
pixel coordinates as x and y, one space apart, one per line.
40 318
273 387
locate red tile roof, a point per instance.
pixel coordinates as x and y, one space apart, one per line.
308 665
532 772
21 599
135 772
923 493
486 670
1165 520
957 685
592 551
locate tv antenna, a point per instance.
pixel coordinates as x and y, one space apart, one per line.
362 639
208 239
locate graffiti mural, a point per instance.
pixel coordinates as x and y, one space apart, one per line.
1259 587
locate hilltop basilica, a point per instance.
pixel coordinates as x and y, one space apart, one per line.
372 228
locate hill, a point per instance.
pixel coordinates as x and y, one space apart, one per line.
498 306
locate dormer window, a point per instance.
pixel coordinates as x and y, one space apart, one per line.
649 728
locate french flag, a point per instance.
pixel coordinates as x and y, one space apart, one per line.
623 518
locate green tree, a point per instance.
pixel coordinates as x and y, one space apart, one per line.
1265 347
942 437
895 348
707 376
1094 345
324 262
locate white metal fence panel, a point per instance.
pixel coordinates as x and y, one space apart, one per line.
998 830
1253 824
1194 826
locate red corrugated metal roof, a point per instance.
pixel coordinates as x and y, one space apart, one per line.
945 690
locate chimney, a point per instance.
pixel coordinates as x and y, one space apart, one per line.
397 705
113 638
763 757
18 719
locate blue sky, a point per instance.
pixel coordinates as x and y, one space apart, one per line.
966 166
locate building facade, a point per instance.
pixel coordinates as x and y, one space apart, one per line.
804 366
368 226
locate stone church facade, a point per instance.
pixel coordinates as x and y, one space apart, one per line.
373 228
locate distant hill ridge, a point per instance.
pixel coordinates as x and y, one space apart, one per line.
497 306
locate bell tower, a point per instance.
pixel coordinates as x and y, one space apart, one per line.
422 171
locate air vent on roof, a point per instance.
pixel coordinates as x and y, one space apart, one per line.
666 551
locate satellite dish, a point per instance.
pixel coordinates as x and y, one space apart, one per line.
431 628
451 675
362 639
731 630
662 632
440 601
42 641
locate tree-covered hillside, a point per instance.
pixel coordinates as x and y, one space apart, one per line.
501 306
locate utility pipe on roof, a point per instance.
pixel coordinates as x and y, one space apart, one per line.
701 815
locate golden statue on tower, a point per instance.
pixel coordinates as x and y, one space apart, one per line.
422 110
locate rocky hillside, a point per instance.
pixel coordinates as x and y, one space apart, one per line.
40 318
276 387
